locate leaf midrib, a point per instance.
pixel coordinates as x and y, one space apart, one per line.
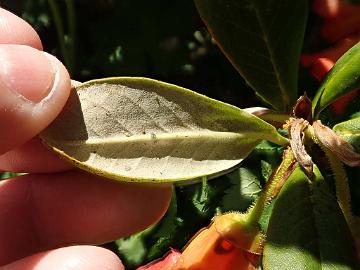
344 66
271 58
215 136
332 76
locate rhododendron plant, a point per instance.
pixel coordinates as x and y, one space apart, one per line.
296 191
292 162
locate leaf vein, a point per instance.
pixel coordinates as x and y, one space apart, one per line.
281 85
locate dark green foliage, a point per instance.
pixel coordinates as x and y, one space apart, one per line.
193 206
165 40
263 40
6 175
354 183
307 229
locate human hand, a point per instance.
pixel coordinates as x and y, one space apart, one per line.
54 206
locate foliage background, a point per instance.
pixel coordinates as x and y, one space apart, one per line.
159 39
164 40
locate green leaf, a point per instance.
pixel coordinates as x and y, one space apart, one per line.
266 215
244 190
263 40
166 229
269 152
132 249
168 224
138 129
350 131
6 175
266 169
141 247
307 229
202 198
343 78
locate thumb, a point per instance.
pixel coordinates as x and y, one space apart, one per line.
34 87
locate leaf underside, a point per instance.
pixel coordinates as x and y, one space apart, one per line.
263 40
137 129
307 229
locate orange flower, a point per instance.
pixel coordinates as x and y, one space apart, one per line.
211 250
320 63
340 18
166 263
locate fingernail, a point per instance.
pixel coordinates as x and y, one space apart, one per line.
26 71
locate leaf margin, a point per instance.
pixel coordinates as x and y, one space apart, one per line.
272 135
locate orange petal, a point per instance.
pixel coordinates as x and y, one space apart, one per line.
234 228
327 8
209 251
348 24
319 66
341 19
320 63
165 263
340 104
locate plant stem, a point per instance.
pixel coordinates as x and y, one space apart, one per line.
60 32
272 187
70 8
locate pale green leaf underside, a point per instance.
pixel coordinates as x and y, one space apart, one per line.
137 129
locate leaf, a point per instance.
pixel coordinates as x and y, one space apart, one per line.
202 198
190 210
269 152
132 249
343 78
166 229
266 215
168 225
245 189
307 229
266 169
263 40
350 131
6 175
138 129
142 246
